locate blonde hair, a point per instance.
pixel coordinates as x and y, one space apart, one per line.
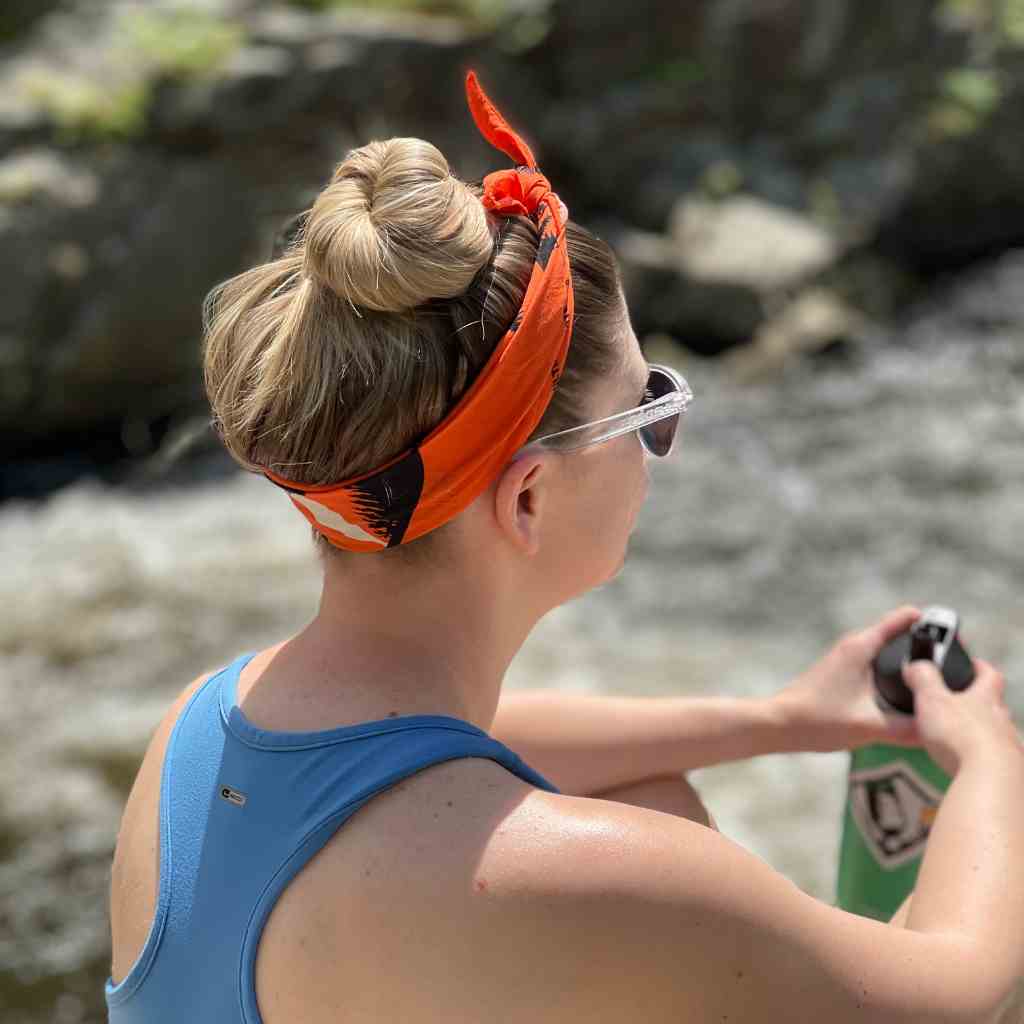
353 343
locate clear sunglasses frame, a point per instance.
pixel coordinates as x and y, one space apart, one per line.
673 404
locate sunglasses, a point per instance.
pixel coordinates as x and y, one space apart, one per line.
656 419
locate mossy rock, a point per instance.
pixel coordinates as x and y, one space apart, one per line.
16 16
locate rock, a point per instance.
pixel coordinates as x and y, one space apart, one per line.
259 63
18 15
42 175
745 241
706 316
879 288
664 349
255 90
815 322
21 121
985 298
965 203
103 324
709 283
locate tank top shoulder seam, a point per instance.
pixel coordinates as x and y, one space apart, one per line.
331 740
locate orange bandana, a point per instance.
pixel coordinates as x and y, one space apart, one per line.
434 481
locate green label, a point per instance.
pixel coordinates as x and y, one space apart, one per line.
893 808
893 796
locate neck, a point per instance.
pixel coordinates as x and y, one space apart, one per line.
388 642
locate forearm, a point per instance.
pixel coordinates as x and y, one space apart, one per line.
971 881
586 743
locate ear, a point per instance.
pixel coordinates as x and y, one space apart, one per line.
520 499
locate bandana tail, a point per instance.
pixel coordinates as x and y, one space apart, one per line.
493 127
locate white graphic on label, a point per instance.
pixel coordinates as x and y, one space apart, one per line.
893 807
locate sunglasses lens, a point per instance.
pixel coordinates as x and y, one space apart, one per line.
657 437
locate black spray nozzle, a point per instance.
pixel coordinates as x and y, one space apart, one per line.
926 640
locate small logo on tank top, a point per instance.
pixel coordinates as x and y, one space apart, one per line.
232 795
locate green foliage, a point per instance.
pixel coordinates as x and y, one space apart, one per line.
82 110
1012 22
974 89
180 43
971 10
682 72
482 12
177 43
949 121
720 179
824 204
524 23
1002 19
17 16
968 97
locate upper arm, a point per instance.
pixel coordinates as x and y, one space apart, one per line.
655 913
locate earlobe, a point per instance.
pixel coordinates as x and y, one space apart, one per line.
519 501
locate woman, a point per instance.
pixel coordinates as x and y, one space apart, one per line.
444 379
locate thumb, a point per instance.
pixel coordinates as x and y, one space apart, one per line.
922 676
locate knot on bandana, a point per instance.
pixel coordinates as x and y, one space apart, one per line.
516 191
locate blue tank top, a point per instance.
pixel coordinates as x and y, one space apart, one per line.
241 812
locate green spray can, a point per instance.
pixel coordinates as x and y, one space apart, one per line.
893 792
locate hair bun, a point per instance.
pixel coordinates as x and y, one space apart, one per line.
394 228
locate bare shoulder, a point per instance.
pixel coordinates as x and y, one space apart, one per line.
659 917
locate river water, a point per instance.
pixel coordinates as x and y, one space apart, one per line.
793 510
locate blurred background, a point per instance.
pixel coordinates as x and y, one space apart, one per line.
818 210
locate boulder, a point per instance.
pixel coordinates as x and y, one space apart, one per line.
104 321
745 241
725 263
707 316
814 323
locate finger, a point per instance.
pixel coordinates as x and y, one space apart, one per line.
892 625
983 667
988 675
922 676
999 685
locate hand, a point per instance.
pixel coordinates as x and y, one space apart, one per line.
832 706
955 725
